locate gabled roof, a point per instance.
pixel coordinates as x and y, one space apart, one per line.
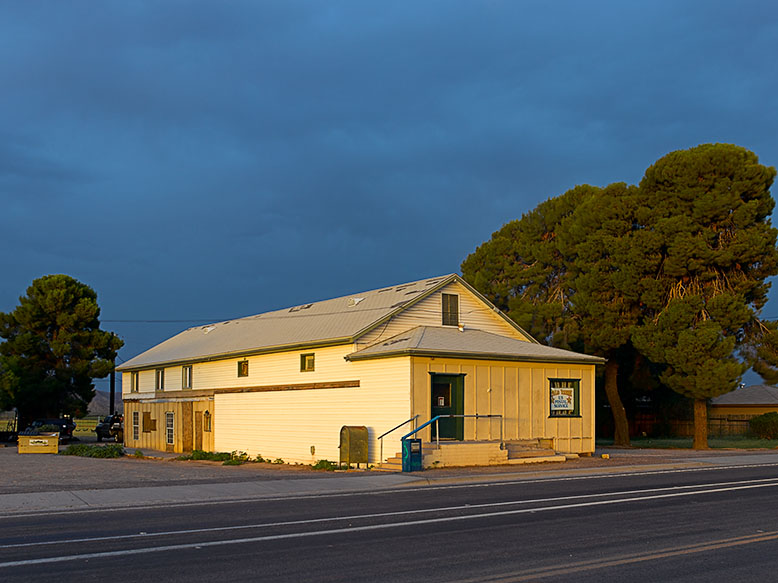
468 343
328 322
753 395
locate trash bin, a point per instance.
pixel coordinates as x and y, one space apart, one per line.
353 445
411 455
43 443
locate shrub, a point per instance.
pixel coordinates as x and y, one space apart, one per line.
278 460
138 454
99 451
765 426
199 454
325 465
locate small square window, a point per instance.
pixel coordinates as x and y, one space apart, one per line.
186 377
450 310
307 362
243 368
134 382
159 379
564 398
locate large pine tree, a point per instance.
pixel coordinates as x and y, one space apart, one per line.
53 349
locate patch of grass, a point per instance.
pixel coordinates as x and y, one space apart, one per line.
99 451
138 454
728 442
233 462
278 460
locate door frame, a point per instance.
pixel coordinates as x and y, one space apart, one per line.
455 428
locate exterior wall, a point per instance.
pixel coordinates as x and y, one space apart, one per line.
189 425
271 419
473 313
303 426
519 392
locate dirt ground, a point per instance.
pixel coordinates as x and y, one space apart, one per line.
43 473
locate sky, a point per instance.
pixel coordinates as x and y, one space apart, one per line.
200 161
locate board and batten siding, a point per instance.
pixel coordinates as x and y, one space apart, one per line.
473 313
519 392
287 424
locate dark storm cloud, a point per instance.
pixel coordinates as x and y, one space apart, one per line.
197 160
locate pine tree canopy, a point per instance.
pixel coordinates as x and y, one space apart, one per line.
53 349
675 268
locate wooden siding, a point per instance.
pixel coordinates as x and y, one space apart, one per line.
473 313
189 430
519 392
287 424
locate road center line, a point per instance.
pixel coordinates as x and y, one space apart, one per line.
352 529
385 514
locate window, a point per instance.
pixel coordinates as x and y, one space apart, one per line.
243 368
169 424
134 382
149 424
135 425
186 377
450 310
159 379
564 398
307 362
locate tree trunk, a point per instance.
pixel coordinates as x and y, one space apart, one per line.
620 425
700 424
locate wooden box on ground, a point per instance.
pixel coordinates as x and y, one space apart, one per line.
44 443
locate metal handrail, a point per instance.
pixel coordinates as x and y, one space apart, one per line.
437 426
381 437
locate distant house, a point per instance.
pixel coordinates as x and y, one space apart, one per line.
283 383
746 402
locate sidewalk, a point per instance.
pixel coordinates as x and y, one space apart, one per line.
162 481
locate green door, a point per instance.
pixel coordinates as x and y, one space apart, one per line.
448 398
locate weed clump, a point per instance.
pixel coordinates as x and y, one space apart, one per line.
98 451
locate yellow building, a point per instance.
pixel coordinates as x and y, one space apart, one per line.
282 384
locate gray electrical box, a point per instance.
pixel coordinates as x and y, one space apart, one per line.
353 445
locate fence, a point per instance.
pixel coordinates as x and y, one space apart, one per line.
717 426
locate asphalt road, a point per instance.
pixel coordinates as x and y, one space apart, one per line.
658 525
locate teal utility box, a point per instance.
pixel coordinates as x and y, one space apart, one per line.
411 455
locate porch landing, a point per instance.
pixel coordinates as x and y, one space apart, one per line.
481 453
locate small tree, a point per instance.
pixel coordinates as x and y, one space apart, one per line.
53 349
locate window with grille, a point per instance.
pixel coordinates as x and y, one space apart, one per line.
169 424
186 377
135 425
450 310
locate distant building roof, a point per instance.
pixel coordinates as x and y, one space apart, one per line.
342 319
753 395
439 341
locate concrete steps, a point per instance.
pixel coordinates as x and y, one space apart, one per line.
479 453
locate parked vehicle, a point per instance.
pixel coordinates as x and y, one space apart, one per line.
8 426
111 427
65 426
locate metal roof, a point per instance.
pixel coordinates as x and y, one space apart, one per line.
753 395
334 321
456 343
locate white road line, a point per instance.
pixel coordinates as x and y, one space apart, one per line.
378 492
384 514
265 538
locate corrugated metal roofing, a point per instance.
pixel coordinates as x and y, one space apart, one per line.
753 395
437 341
339 319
